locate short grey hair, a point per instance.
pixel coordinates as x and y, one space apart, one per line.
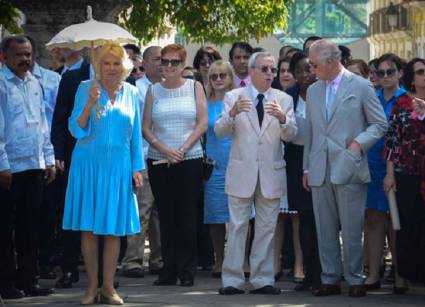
325 49
254 56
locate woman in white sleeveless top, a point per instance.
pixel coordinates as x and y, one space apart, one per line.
175 118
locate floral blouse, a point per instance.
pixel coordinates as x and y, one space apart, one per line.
405 139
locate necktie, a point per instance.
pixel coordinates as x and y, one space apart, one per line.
260 108
329 100
242 84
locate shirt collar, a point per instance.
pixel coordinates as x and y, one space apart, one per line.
380 93
146 80
255 92
238 80
338 78
74 66
10 75
36 70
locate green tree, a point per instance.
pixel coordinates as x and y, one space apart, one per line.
215 21
9 17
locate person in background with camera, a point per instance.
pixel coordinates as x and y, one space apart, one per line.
216 211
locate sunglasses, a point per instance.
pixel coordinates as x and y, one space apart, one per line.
174 62
135 69
205 62
420 72
222 76
266 69
381 73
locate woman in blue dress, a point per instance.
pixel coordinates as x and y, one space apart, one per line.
105 167
389 73
216 212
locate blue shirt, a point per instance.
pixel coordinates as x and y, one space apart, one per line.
49 82
24 134
375 153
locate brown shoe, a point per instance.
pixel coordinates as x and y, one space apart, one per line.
326 290
357 291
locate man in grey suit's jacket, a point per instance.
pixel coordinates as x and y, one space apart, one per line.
344 120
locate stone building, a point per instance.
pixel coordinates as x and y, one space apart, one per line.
397 26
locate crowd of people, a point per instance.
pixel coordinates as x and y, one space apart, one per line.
219 165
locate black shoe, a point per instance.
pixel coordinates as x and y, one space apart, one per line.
65 282
246 274
134 273
11 293
186 283
326 290
154 271
376 285
230 291
357 291
36 290
216 274
278 276
46 272
266 290
400 290
303 286
160 282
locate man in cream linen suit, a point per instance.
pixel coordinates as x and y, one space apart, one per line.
344 119
259 118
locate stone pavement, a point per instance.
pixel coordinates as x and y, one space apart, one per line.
140 292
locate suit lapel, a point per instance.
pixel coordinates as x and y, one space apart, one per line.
322 100
252 114
340 93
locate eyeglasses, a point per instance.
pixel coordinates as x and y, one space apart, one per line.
173 62
420 72
135 69
266 69
381 73
222 76
205 62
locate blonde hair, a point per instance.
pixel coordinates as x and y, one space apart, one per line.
228 69
117 51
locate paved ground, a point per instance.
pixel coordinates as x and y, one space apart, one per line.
140 292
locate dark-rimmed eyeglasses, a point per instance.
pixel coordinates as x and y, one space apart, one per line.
222 76
381 73
173 62
266 69
420 72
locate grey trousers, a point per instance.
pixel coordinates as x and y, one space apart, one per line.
148 213
340 208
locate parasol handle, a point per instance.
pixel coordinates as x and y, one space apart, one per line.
89 11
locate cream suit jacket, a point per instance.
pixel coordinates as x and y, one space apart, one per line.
256 153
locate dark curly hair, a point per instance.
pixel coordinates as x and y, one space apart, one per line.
409 74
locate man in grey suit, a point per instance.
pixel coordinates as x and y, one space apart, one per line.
344 119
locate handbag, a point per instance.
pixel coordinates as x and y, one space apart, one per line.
207 163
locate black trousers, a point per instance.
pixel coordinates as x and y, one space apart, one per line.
19 228
310 250
410 239
51 219
176 192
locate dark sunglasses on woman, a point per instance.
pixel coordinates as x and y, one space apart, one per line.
222 76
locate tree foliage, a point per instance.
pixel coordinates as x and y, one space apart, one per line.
9 17
215 21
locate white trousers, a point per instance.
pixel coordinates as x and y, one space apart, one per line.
262 252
